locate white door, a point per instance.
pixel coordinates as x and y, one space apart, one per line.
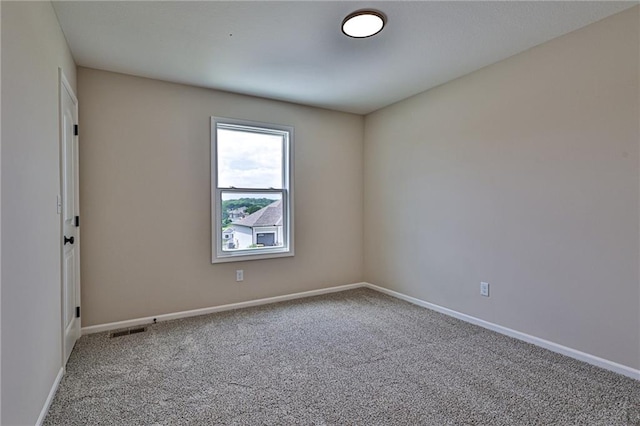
70 217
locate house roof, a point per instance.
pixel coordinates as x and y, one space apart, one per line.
270 215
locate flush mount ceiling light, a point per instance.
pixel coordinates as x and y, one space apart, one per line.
363 23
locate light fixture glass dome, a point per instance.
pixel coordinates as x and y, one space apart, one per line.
363 23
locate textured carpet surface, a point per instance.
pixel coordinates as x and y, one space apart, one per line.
356 357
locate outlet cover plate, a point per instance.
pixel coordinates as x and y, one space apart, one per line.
484 289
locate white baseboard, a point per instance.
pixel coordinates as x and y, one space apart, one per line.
49 400
195 312
555 347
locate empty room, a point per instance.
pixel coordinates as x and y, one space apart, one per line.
320 213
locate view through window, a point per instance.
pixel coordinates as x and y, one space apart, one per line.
251 177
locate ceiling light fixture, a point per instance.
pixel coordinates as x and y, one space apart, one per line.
363 23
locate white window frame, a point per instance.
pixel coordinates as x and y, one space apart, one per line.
217 254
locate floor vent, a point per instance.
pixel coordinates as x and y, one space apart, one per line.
134 330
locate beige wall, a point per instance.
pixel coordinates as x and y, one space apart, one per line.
523 174
33 48
145 203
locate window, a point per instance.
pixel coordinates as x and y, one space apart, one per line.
251 190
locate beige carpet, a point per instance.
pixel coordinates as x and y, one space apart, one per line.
356 357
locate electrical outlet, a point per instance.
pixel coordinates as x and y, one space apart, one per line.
484 289
239 275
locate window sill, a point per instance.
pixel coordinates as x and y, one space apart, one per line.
237 257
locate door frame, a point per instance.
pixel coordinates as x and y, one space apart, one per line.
63 85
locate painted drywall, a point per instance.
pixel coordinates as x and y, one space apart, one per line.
523 174
0 221
145 203
33 48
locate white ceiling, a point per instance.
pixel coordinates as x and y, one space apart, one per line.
295 51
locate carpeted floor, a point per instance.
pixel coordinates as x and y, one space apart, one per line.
356 357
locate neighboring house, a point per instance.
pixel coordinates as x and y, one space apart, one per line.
227 238
237 214
262 228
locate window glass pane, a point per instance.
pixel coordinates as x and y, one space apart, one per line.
251 220
249 160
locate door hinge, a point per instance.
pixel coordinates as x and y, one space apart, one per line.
77 221
77 311
75 130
